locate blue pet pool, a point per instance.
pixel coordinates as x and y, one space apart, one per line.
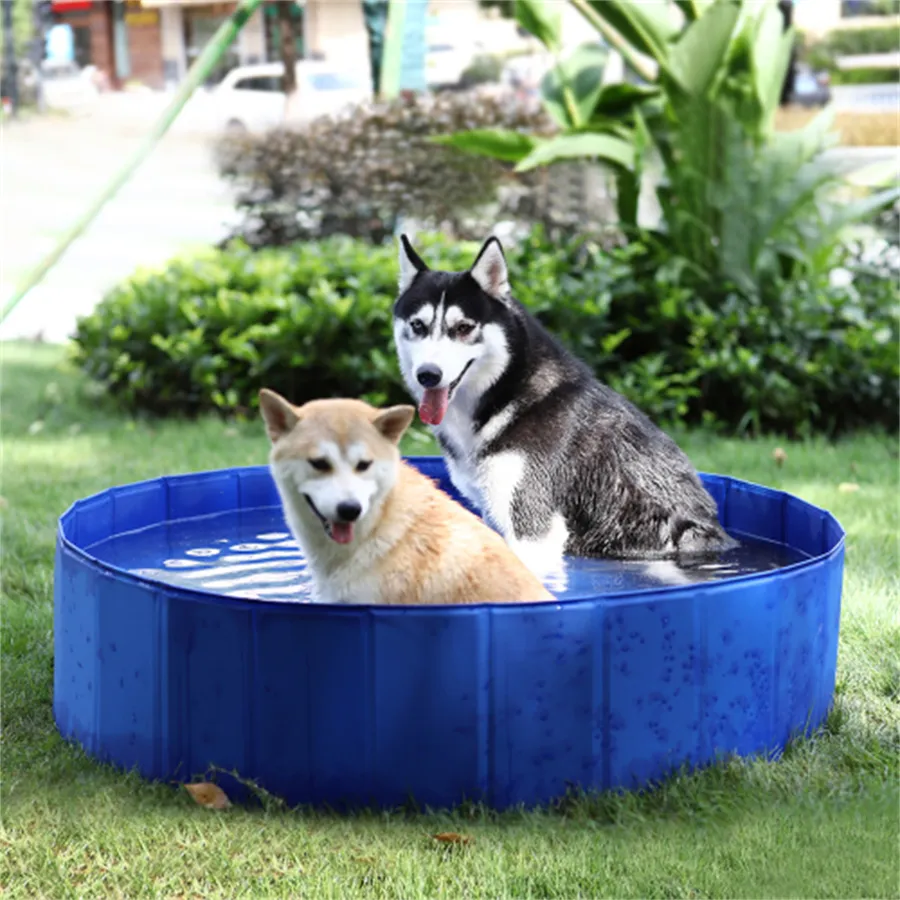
185 640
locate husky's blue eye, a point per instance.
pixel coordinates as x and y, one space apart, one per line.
418 328
363 464
320 465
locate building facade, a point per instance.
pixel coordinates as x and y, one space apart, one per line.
153 42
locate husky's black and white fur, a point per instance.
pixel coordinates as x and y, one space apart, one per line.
558 462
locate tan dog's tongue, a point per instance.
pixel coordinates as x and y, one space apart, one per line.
342 532
433 405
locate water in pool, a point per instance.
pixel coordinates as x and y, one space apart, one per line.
250 554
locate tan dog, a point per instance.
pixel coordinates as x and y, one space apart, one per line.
372 528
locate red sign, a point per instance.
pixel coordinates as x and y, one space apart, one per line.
62 6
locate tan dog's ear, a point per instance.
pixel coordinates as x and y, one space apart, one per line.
279 415
393 421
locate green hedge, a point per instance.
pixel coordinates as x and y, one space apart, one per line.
824 53
856 41
865 76
315 320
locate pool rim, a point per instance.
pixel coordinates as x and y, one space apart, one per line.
661 593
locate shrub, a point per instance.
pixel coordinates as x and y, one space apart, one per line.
858 41
739 200
885 75
357 174
824 53
484 69
208 331
312 321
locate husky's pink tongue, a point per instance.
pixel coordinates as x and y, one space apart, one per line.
434 405
342 532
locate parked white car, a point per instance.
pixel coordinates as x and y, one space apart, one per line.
252 98
445 64
68 87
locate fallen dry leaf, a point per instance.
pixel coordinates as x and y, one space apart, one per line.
779 456
208 795
848 487
451 837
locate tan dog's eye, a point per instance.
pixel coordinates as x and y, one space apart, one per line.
363 464
320 465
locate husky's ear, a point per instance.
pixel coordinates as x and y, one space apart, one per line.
490 271
410 264
393 421
280 417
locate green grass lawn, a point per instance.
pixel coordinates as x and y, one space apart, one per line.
820 822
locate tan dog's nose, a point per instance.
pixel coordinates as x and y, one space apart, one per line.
349 510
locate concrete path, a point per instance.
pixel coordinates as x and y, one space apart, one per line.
51 170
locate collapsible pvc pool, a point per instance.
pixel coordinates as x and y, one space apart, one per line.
183 641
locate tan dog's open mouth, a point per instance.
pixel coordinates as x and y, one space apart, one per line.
339 532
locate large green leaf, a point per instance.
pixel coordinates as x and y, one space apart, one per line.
739 62
628 191
771 56
580 146
539 20
788 148
582 74
867 206
628 182
648 27
693 9
619 99
873 174
697 60
508 146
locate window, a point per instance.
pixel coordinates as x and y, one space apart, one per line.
199 25
851 8
82 41
332 81
805 83
269 83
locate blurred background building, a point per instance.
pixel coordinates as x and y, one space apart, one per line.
111 45
111 66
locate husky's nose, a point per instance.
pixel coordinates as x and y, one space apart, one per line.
429 376
349 510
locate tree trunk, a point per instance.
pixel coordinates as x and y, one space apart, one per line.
375 18
288 47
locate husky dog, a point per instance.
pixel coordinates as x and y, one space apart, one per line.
372 528
556 461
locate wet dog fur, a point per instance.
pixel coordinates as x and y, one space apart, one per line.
557 461
372 528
